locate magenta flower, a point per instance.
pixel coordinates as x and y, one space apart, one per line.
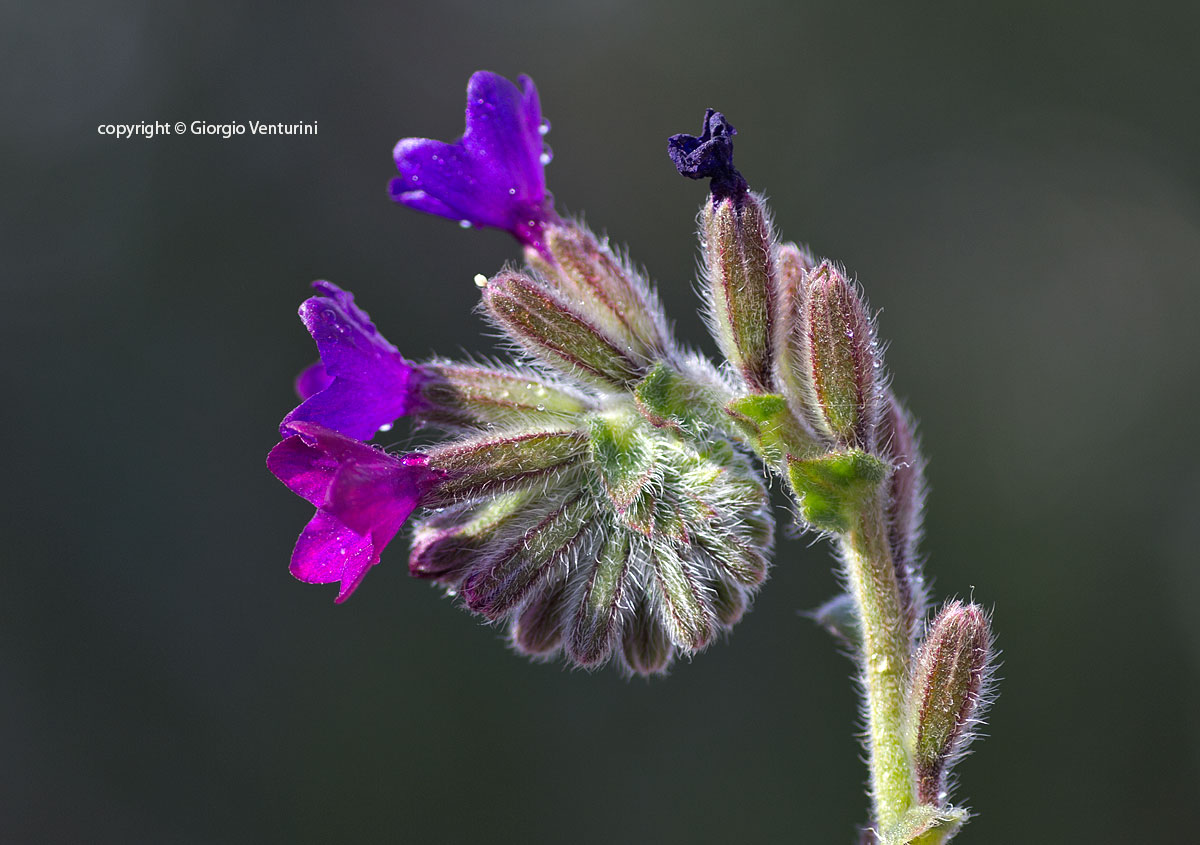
362 494
362 383
493 175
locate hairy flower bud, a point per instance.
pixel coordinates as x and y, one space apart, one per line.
739 247
793 263
455 396
548 328
444 545
840 361
604 288
905 498
479 466
947 695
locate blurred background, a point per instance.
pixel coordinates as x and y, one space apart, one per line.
1016 184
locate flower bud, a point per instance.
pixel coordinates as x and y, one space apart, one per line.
688 617
444 545
905 497
468 396
507 572
740 270
479 466
605 290
548 328
646 646
597 616
537 629
793 263
947 696
840 361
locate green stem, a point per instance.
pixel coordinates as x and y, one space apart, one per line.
871 577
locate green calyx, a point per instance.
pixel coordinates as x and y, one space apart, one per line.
832 489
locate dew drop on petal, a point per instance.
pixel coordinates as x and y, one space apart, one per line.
544 127
511 191
544 159
465 224
386 427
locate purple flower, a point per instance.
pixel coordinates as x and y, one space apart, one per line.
361 384
493 175
362 494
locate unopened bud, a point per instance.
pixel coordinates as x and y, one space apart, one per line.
947 696
467 396
479 466
740 269
537 629
506 573
905 497
793 263
646 646
445 543
686 614
542 322
610 294
840 361
598 614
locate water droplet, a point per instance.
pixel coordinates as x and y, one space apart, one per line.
544 127
416 178
511 191
480 280
466 224
342 550
386 427
539 406
545 158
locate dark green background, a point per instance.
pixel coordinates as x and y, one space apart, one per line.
1016 185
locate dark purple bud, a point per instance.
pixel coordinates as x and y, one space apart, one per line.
710 156
948 695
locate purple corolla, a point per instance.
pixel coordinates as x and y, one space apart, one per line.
362 383
494 174
362 495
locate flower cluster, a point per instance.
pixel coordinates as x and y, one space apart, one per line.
565 503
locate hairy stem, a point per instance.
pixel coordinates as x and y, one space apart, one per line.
871 578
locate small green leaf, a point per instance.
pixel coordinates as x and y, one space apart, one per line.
832 487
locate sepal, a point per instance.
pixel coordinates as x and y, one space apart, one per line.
479 466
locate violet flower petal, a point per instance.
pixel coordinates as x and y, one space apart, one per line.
370 383
494 174
329 552
362 494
